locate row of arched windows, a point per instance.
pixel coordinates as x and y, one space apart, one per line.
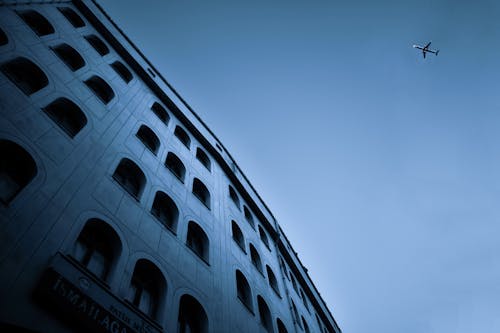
290 276
132 179
244 294
98 249
233 195
239 238
42 27
172 162
29 78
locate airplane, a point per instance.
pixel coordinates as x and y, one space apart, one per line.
426 49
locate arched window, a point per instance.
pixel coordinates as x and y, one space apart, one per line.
37 22
243 290
160 112
238 235
304 299
296 314
234 196
3 38
182 135
306 327
263 237
294 283
201 192
264 314
165 210
203 158
97 248
198 241
69 56
147 287
130 177
73 18
148 138
254 255
100 88
122 71
283 267
248 216
320 324
175 165
17 169
97 44
25 75
273 282
67 115
192 317
281 326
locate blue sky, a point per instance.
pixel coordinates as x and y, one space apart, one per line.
381 167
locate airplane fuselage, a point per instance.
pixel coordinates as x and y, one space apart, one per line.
424 49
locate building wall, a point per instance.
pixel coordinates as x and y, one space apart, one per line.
74 183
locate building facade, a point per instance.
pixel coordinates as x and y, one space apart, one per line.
120 211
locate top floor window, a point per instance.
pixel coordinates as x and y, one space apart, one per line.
73 18
17 169
203 158
234 196
320 324
248 216
122 71
296 314
100 88
304 300
182 135
160 112
69 56
306 327
97 44
294 283
37 22
25 75
263 237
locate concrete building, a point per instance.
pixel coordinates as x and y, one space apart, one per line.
120 211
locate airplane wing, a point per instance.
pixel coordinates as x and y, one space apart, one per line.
423 53
427 46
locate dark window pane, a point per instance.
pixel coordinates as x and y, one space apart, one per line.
25 75
66 115
37 22
72 17
69 56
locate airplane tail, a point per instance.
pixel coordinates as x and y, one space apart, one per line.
437 52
